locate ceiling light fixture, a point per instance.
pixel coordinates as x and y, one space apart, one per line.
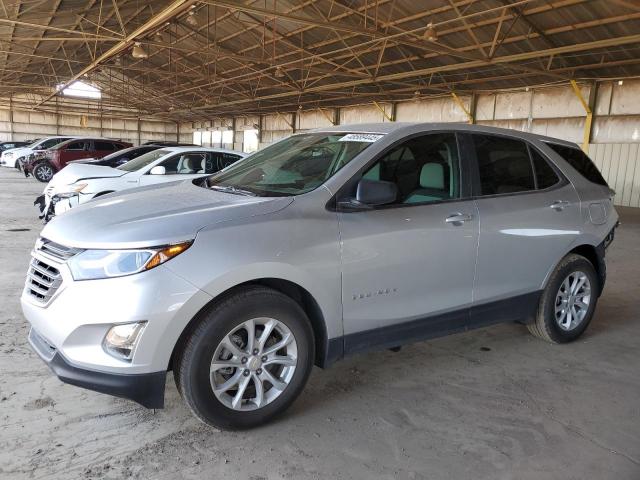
279 72
138 51
430 33
191 19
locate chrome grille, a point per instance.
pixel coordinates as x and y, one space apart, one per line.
55 250
42 280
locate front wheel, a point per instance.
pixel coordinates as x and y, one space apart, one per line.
568 302
43 172
247 360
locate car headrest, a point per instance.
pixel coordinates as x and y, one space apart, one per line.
432 176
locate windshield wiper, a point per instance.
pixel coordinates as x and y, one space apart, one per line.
233 190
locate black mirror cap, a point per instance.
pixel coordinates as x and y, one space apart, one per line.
376 192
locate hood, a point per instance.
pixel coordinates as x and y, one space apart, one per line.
77 171
154 215
17 152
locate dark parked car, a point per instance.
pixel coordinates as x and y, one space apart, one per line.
120 157
7 145
164 143
45 164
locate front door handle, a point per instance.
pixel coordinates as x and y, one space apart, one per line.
458 218
559 205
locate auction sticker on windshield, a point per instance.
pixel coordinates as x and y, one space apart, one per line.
361 137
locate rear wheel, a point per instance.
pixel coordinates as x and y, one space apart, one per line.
43 172
247 360
568 302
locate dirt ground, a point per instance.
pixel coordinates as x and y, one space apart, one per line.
490 404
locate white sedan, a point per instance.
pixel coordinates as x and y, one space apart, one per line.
78 183
11 157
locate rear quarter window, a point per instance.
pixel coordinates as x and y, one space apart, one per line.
580 161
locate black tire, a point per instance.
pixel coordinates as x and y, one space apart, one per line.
193 360
43 172
545 325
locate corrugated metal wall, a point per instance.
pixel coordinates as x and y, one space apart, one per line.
620 167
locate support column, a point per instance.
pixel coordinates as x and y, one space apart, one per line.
588 105
461 104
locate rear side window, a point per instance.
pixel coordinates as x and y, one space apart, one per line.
504 165
105 146
76 146
545 175
580 161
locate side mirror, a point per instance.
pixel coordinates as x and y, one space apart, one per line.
158 170
376 192
371 193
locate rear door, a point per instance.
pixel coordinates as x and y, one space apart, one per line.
528 218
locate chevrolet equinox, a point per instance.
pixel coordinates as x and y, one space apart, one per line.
326 243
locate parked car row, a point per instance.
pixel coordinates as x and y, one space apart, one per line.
327 243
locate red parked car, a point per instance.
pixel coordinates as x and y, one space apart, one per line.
43 165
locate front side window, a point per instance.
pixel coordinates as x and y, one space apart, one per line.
105 146
144 160
293 166
580 161
52 142
503 164
188 163
424 169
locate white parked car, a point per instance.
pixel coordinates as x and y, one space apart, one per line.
11 157
78 183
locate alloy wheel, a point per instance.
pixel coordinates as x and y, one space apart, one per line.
572 300
43 173
253 364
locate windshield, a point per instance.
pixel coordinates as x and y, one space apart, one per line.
143 160
293 166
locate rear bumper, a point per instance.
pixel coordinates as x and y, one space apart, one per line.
147 389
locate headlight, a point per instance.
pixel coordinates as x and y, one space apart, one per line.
121 340
95 264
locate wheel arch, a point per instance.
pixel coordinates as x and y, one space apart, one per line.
593 253
325 349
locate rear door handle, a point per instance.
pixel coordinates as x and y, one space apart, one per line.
458 218
559 205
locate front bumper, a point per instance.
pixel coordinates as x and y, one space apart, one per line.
147 389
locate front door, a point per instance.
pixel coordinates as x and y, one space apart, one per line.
408 267
182 166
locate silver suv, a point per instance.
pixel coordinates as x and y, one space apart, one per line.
327 243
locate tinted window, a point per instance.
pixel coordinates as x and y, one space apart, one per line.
105 146
76 146
424 169
545 175
581 162
52 142
170 165
503 164
226 159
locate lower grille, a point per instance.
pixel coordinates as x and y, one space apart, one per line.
42 280
41 346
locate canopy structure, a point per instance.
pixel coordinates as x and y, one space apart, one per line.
188 60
